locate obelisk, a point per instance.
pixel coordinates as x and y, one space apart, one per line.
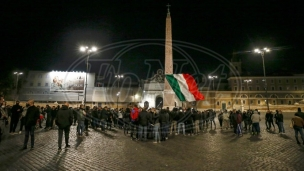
169 96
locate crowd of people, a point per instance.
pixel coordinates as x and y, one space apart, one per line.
139 123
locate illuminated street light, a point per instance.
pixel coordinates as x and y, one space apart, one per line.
248 81
87 50
262 52
17 79
117 99
212 78
118 77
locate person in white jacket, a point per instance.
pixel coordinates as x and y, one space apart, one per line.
255 118
226 122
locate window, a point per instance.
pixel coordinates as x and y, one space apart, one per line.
234 81
243 88
235 88
31 84
218 103
251 101
236 102
287 81
280 81
259 101
46 84
289 102
294 81
258 88
282 102
250 88
39 84
280 88
274 102
229 103
295 88
271 81
302 80
257 81
244 102
272 88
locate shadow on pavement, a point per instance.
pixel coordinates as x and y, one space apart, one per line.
212 132
285 136
255 138
105 133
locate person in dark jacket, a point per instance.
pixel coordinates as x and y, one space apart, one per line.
300 113
155 116
144 120
64 120
164 121
30 120
103 118
16 113
48 111
189 122
94 118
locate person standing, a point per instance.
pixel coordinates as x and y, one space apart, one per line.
81 114
220 118
212 115
134 121
226 123
298 124
255 118
48 112
143 121
16 113
64 120
280 119
300 113
239 123
22 117
30 120
164 121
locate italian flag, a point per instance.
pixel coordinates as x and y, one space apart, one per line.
184 87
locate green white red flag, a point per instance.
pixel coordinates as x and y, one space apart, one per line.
184 87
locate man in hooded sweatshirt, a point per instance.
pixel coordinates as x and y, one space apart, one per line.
64 120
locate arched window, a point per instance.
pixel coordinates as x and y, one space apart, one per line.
274 96
258 96
289 96
244 96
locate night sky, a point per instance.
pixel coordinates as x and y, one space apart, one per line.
46 35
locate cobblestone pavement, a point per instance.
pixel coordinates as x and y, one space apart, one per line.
211 150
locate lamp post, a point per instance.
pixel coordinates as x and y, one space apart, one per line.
262 52
117 99
87 50
17 79
118 79
248 81
212 77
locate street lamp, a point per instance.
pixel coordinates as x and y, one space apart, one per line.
117 99
118 77
262 52
212 77
248 81
17 79
87 50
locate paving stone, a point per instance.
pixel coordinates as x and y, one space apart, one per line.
212 150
